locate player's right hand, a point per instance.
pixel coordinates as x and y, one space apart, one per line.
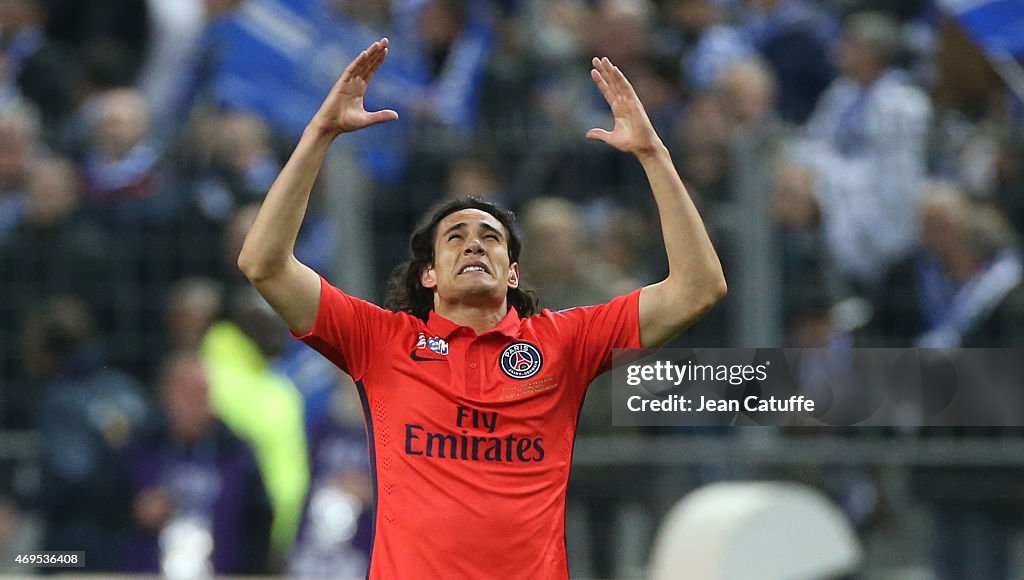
343 110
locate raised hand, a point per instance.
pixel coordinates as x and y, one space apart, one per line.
343 111
633 131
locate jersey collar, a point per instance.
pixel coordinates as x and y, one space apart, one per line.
444 328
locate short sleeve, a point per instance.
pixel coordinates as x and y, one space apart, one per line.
351 332
600 329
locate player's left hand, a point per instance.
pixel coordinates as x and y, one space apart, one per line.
633 131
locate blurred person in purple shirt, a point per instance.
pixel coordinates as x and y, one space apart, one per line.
199 506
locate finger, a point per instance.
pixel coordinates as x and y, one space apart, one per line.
375 65
380 46
372 52
605 66
601 84
353 71
624 86
350 70
599 67
608 70
379 53
598 135
364 63
367 66
382 116
614 80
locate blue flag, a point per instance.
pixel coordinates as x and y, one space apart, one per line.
996 25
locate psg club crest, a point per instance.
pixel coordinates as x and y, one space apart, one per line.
521 360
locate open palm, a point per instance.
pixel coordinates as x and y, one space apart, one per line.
343 111
633 132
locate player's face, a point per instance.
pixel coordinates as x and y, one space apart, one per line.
471 258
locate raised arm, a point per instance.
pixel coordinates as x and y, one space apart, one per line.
695 281
268 254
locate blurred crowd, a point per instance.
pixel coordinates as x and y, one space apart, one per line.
176 416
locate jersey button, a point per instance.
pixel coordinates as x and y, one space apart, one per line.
472 365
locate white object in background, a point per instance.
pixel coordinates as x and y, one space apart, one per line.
759 530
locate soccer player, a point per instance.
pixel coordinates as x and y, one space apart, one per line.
470 397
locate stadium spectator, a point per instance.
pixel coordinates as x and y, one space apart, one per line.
747 90
976 509
55 250
19 142
315 379
986 309
796 216
85 414
232 237
793 38
317 242
962 287
560 42
711 41
199 506
454 39
193 305
659 85
703 133
630 252
449 44
473 175
739 107
195 177
867 146
241 169
336 532
917 292
261 406
557 259
120 171
42 70
622 31
120 27
175 29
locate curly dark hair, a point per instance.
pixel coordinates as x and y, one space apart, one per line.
405 292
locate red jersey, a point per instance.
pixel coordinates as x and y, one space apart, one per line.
470 437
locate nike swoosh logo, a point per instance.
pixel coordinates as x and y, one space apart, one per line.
420 358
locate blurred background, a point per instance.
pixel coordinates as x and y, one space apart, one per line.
859 165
